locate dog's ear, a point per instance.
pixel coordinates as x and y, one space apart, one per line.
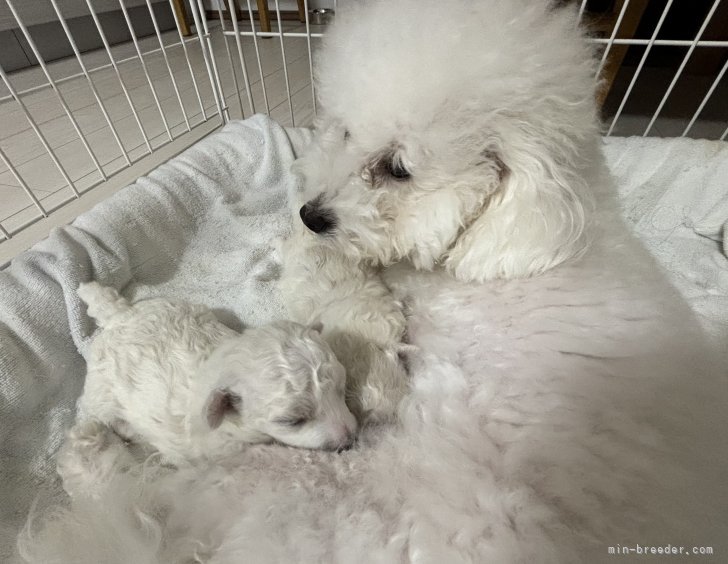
534 221
221 403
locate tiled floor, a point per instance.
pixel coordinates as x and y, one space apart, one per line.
25 151
34 165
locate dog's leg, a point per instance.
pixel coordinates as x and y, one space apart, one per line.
89 458
376 379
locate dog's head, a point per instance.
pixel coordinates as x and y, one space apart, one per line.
453 133
279 382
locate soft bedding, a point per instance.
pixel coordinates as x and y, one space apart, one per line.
201 227
675 194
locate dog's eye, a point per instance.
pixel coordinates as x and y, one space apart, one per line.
347 135
291 421
396 169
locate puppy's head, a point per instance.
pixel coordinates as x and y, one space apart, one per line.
454 133
279 382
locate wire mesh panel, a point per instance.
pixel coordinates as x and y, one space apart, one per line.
69 125
662 63
662 66
268 57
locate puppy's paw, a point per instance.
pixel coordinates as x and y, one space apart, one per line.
89 457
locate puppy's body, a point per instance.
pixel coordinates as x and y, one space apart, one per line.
171 374
362 322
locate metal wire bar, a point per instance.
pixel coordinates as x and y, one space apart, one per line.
581 8
53 85
200 18
93 70
37 131
22 183
706 98
166 62
725 134
612 37
285 64
183 43
310 56
663 42
243 66
275 34
113 64
91 85
234 19
639 66
4 232
219 101
680 69
257 57
144 68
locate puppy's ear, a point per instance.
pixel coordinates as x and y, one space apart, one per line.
221 403
534 221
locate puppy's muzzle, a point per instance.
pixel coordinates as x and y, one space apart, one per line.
316 219
340 446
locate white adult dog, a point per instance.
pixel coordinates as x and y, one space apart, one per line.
171 375
465 152
565 404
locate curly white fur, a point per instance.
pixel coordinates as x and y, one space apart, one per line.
362 322
554 415
486 145
170 374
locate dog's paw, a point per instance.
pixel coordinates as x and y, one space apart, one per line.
89 457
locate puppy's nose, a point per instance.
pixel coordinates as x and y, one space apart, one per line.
350 440
316 220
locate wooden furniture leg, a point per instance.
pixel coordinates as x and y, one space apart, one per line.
264 15
180 13
301 11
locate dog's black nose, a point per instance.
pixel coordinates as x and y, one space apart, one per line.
345 447
316 220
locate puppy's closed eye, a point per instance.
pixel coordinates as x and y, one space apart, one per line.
291 421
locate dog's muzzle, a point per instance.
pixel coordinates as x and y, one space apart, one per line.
316 219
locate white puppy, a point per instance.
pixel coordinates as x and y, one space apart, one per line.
171 374
363 323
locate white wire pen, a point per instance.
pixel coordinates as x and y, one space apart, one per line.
34 126
680 69
145 69
243 66
91 85
200 18
310 56
285 64
59 96
612 37
257 57
641 64
113 64
166 62
23 185
183 43
233 17
209 58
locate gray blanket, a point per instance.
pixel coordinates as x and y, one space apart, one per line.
199 226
